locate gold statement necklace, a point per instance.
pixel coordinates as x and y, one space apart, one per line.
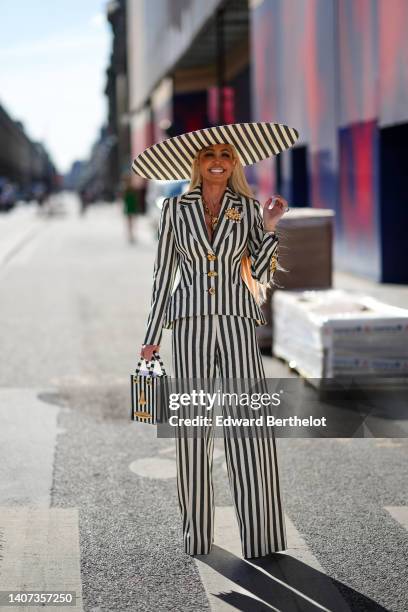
213 218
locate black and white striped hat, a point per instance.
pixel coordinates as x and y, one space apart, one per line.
171 159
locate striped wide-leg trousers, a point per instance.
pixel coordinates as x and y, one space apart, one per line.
201 345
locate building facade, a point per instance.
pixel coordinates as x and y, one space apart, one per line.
336 70
23 161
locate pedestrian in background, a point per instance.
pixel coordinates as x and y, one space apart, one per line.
225 247
131 205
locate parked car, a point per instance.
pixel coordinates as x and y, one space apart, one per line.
156 193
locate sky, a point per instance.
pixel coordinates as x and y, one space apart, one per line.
53 60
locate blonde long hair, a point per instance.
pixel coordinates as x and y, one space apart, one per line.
238 183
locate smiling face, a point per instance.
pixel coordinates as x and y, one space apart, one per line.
216 163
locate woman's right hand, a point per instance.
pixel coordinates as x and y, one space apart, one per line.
148 350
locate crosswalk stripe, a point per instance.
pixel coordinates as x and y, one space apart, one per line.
399 513
224 574
28 434
40 551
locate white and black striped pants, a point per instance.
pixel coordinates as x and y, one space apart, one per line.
200 344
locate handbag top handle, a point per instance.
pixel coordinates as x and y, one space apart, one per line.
150 364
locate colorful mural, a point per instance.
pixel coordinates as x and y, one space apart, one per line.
336 70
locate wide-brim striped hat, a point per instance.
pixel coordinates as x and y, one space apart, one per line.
172 159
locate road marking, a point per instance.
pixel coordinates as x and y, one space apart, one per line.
154 467
399 513
24 252
40 552
18 231
27 444
387 443
293 580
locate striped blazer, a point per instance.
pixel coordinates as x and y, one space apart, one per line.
210 271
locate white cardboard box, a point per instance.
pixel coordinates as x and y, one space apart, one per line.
329 333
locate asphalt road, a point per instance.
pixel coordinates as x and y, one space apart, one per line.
88 499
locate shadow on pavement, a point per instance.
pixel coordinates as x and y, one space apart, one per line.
281 582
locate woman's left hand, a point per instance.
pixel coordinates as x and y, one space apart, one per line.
272 215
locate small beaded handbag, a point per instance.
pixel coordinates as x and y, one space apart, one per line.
149 392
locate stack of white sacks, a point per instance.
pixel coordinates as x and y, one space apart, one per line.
331 333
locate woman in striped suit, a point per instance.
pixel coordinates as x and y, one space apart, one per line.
225 248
